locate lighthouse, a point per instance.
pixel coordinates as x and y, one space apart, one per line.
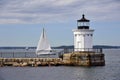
83 35
84 54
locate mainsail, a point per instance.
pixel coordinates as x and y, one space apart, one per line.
43 45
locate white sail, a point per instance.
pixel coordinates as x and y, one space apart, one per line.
43 45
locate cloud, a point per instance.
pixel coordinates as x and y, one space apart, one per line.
50 11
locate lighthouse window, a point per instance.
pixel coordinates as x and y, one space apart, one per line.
87 34
84 35
91 35
75 35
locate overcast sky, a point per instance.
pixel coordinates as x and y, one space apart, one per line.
21 21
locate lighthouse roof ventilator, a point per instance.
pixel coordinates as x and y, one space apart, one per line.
83 35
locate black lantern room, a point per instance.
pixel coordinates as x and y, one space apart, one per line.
83 23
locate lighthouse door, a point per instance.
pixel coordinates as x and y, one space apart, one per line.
79 46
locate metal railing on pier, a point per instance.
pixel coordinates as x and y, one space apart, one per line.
95 50
32 54
26 54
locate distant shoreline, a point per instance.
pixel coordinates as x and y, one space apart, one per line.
63 47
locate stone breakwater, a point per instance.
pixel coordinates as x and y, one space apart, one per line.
34 62
67 60
86 58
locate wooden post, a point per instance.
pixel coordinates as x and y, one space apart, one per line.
1 54
101 50
25 54
13 55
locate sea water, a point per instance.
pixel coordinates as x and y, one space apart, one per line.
111 71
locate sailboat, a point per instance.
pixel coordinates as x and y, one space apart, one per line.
43 47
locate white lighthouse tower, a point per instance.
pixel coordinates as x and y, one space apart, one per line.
83 35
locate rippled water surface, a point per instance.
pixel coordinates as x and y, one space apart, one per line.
111 71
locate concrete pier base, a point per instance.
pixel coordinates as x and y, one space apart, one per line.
84 59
